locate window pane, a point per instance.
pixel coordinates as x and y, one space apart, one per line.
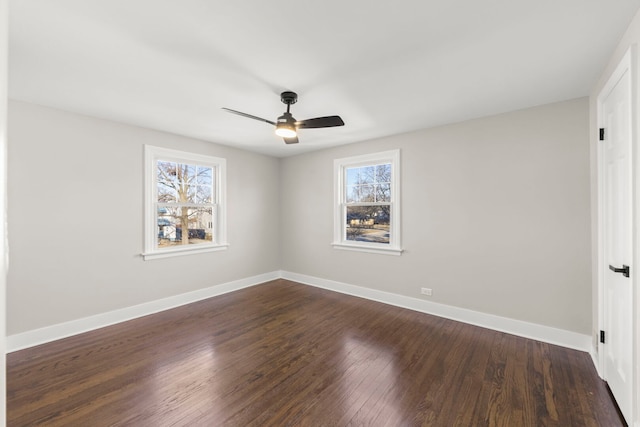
383 192
187 173
173 220
180 173
167 175
166 193
352 176
367 193
383 173
167 181
166 170
204 175
360 193
353 193
204 194
367 174
191 193
368 224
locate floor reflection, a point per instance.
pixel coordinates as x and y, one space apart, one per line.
369 397
187 380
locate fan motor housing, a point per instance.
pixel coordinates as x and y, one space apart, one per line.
286 118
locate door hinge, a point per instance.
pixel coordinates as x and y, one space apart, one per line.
601 134
602 337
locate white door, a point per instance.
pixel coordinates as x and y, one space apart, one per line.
615 118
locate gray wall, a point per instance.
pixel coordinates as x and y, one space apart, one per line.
76 219
495 216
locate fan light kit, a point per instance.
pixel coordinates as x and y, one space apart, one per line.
286 126
286 129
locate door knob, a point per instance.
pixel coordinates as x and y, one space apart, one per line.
624 270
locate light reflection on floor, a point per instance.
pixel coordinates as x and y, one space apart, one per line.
367 395
194 389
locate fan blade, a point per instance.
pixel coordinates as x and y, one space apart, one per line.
320 122
240 113
293 140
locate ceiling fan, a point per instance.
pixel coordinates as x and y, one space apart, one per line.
286 126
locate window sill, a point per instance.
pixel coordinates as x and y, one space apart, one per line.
167 253
368 248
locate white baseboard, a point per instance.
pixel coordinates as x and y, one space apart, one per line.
534 331
594 359
516 327
74 327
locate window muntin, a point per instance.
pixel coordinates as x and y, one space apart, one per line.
185 203
367 203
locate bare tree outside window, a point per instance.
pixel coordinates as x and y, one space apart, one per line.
185 203
368 200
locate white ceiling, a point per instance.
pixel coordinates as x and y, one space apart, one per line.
385 67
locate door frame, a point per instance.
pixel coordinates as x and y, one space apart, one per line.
626 64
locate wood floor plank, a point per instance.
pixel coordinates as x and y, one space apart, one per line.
286 354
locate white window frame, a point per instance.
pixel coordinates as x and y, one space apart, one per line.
394 247
152 155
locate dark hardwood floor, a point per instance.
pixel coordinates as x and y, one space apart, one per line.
285 354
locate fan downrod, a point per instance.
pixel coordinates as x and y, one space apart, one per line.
289 97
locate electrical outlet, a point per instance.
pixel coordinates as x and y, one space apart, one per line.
425 291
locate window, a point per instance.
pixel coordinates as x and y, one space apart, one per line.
185 203
367 203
